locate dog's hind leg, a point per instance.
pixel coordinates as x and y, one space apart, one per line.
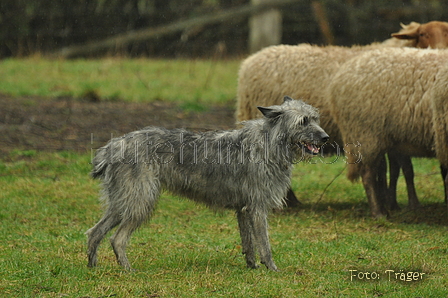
110 220
245 225
260 225
120 240
136 211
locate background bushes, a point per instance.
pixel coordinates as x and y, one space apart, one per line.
42 26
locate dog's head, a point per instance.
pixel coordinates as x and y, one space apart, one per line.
299 122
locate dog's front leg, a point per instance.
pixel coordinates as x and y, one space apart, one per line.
245 225
260 224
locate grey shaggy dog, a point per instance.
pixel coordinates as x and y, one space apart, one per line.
247 170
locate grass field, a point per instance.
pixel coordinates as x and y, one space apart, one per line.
122 79
330 247
48 202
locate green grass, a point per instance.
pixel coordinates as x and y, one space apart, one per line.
192 81
48 202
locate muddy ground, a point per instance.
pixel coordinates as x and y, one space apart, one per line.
53 124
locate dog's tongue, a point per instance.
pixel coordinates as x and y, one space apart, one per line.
312 148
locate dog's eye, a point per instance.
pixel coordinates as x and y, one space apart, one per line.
305 121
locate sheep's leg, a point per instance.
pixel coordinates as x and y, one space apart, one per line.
369 176
383 190
408 172
397 161
394 172
291 199
444 172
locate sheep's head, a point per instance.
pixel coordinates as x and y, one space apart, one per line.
432 35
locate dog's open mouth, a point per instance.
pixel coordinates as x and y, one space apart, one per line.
310 148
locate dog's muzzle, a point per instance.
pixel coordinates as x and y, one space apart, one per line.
314 148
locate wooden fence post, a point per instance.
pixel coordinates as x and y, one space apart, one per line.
265 28
322 19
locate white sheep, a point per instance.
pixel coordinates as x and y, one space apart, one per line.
303 70
440 119
262 71
382 99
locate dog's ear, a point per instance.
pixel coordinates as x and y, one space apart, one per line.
287 98
269 113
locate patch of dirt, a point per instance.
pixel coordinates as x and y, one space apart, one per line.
32 123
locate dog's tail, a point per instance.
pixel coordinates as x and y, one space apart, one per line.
100 163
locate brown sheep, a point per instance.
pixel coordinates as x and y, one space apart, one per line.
382 99
432 35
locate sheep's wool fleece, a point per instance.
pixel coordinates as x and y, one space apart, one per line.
382 99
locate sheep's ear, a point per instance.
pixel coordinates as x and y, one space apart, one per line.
408 32
269 113
287 98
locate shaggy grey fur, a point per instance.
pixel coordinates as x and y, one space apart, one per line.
247 170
